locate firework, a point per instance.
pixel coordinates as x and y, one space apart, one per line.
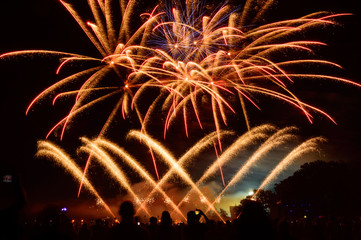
192 60
207 60
111 166
197 64
120 53
51 151
307 146
113 159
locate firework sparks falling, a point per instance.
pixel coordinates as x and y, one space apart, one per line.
194 61
107 153
46 149
111 168
190 58
185 159
308 146
216 58
139 169
172 162
248 138
280 137
120 52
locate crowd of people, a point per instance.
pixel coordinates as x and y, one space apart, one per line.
253 223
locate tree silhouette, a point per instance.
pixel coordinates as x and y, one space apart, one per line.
322 188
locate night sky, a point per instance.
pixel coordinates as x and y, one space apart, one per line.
45 24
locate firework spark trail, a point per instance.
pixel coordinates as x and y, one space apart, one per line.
111 48
104 129
82 95
178 103
81 109
102 35
249 137
41 53
47 149
219 164
308 146
99 148
280 137
251 60
182 36
169 159
211 24
187 53
185 159
139 169
106 41
106 161
172 113
122 48
246 139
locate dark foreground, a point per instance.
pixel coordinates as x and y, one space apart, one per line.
252 223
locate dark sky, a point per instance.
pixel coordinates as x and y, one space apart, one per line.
45 24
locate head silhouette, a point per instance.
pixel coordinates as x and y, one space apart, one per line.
254 221
192 218
126 211
153 221
166 219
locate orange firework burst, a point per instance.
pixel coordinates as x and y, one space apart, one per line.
207 60
191 58
197 59
120 52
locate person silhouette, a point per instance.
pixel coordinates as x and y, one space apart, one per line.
194 229
253 222
12 201
165 219
153 227
127 228
166 230
84 233
98 230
